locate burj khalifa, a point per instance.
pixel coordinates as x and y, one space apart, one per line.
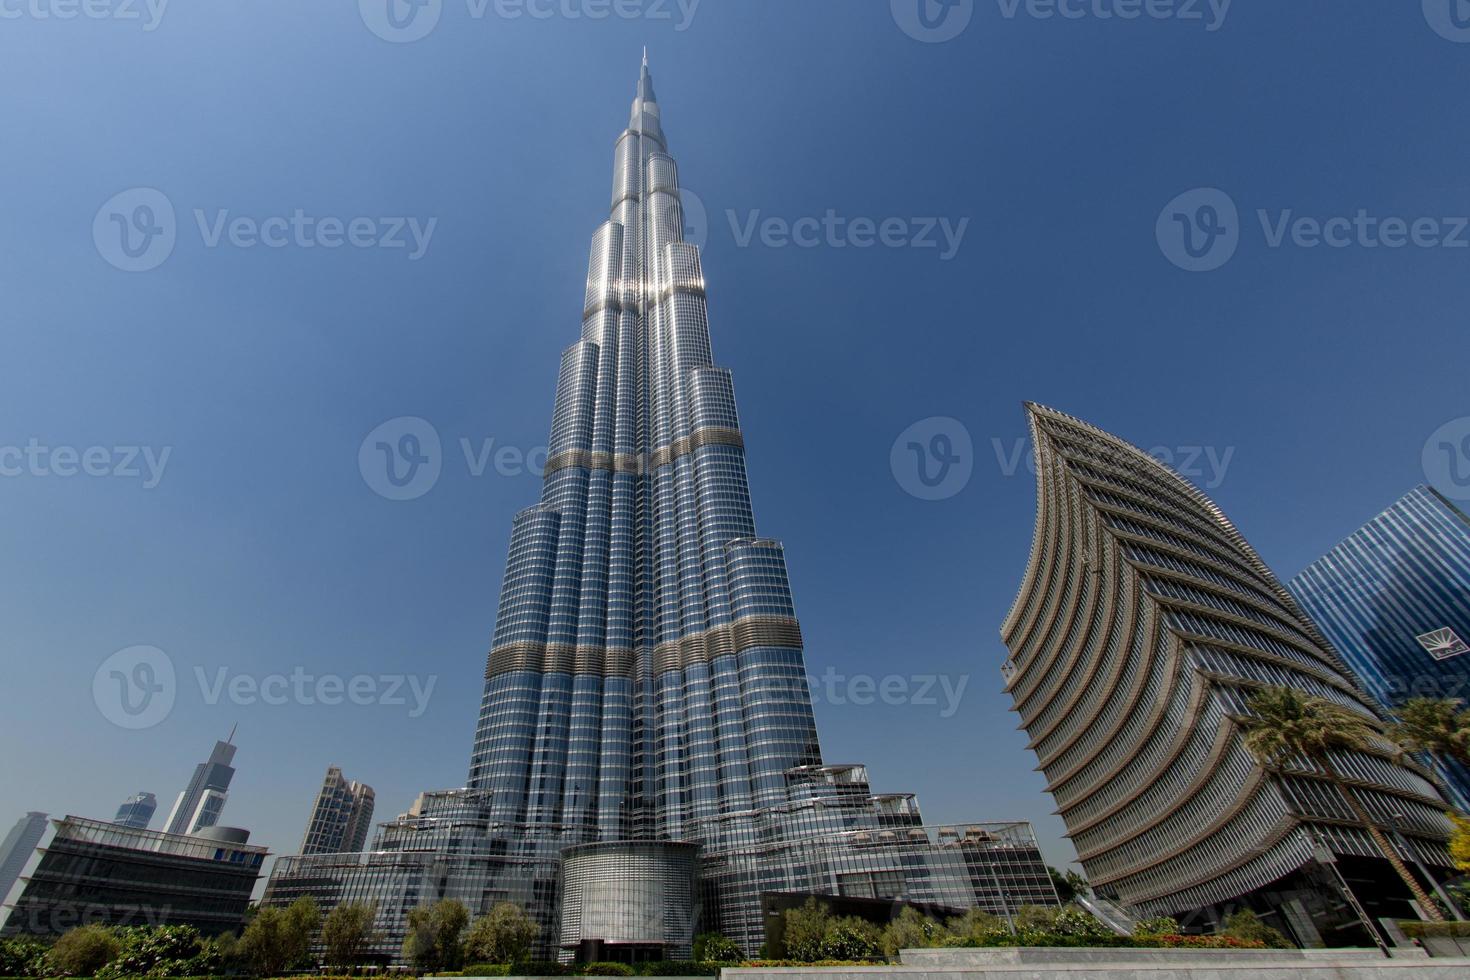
646 762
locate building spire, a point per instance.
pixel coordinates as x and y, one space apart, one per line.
645 56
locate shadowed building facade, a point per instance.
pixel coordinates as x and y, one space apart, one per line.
1144 623
113 875
646 706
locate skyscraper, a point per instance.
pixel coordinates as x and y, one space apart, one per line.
203 800
137 811
1394 598
1143 625
18 847
646 730
340 818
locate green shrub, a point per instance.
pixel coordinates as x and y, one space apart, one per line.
911 930
1246 925
83 951
712 947
158 951
486 970
606 970
503 935
804 929
1420 930
1162 925
22 956
851 938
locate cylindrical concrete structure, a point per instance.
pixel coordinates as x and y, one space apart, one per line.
629 901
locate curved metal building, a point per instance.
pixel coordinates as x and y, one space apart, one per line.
1144 623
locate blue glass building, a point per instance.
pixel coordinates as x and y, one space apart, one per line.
1394 599
646 730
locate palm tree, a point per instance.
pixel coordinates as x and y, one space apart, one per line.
1285 724
1440 726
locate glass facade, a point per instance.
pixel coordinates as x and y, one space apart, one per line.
137 811
202 802
1144 623
646 680
18 847
1394 598
341 817
104 873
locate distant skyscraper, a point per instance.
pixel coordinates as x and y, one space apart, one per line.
1394 598
1144 623
646 718
341 817
136 811
18 847
203 800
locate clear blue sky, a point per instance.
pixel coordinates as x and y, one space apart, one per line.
262 548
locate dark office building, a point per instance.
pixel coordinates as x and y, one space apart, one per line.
98 872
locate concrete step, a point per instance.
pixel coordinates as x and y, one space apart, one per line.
1304 969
